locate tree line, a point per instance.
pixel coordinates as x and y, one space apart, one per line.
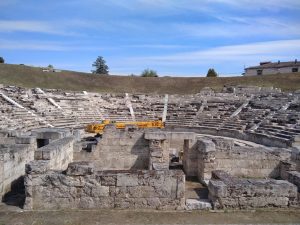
101 68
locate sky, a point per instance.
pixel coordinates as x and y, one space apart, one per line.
173 37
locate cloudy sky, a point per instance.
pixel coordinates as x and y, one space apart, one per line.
173 37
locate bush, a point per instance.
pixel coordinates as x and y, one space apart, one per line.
211 73
149 73
1 60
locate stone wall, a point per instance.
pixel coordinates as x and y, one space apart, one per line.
247 136
207 155
13 158
226 191
85 188
56 155
118 150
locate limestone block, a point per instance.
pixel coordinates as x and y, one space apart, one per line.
51 133
180 192
25 140
198 204
142 192
160 166
153 202
37 167
109 180
38 155
156 154
100 191
294 177
28 204
155 136
223 144
104 202
206 146
80 168
127 180
217 188
123 203
297 138
86 203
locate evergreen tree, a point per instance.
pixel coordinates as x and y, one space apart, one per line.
211 73
1 60
100 65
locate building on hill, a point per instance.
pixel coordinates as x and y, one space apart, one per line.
273 68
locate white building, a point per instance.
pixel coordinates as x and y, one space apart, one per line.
273 68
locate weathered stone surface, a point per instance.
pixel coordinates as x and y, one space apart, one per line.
232 192
108 180
80 168
160 166
198 204
37 167
106 189
25 140
127 180
217 188
118 150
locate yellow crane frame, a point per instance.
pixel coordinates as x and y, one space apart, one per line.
99 127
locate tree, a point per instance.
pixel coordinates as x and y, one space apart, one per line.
100 65
50 66
1 60
211 73
149 73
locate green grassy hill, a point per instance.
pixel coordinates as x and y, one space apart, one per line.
25 76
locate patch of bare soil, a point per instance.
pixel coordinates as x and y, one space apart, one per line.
95 217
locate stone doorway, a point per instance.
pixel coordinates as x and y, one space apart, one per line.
196 194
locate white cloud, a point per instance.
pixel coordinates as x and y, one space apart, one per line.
47 27
259 4
241 27
29 26
47 46
248 53
203 5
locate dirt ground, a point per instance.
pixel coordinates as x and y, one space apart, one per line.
124 217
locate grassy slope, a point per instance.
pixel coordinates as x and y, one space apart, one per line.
25 76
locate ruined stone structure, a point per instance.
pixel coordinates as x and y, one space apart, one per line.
242 146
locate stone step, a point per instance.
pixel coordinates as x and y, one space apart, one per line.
198 204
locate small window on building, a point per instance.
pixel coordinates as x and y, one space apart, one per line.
259 72
295 70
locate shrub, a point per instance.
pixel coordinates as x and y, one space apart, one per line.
149 73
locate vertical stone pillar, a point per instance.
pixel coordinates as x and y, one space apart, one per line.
206 160
159 155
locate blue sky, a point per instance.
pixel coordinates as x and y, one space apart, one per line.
173 37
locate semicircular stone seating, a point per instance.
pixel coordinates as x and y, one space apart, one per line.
266 112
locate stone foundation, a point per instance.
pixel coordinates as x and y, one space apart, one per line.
82 187
13 158
226 191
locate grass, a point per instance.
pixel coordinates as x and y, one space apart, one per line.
30 77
